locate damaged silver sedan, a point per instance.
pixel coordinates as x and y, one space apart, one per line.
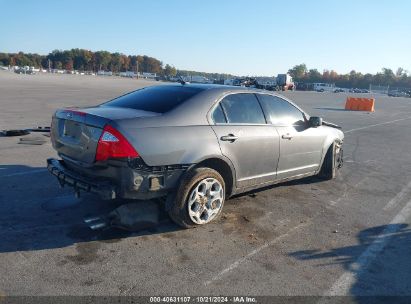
194 145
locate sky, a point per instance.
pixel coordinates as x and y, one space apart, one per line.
241 37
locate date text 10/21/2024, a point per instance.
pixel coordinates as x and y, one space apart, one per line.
205 299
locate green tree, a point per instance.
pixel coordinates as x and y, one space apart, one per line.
298 72
170 70
103 59
388 76
400 73
124 63
4 59
115 62
57 64
314 76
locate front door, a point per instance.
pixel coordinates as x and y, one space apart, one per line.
300 145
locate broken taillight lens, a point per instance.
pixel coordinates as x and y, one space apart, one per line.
112 144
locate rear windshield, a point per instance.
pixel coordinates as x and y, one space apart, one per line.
158 99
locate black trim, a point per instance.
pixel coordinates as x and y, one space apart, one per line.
103 188
262 109
139 164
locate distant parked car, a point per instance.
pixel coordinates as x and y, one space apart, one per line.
194 145
338 90
397 93
24 71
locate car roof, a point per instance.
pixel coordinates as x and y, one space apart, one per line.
217 87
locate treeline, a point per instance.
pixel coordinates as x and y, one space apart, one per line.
85 60
354 79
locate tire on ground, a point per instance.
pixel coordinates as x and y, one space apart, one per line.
329 168
179 209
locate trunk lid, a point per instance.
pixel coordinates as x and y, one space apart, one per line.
75 132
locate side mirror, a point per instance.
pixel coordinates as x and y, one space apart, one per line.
315 121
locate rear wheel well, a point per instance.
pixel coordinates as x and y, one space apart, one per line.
221 167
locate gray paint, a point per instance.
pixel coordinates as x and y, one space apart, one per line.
187 135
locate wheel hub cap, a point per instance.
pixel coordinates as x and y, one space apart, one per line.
205 201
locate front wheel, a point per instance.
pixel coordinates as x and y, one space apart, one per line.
332 162
199 198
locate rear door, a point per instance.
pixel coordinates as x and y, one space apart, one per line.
246 139
300 145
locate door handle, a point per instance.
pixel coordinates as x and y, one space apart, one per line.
229 137
286 136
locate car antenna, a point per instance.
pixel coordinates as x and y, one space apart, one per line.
181 80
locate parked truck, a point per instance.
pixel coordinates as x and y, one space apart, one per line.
285 82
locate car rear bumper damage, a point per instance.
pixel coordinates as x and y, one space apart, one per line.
141 183
80 183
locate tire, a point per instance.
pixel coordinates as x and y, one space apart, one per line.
189 212
329 168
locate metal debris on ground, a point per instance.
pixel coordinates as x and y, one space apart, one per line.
22 132
40 129
14 132
132 217
36 140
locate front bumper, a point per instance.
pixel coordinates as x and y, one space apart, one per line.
104 189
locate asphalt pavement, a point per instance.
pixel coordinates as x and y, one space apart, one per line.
348 236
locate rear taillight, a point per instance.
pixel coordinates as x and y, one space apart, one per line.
112 144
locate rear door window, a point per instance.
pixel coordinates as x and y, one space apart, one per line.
218 115
280 112
243 108
158 99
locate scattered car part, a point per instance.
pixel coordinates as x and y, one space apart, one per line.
14 132
132 217
37 140
40 129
